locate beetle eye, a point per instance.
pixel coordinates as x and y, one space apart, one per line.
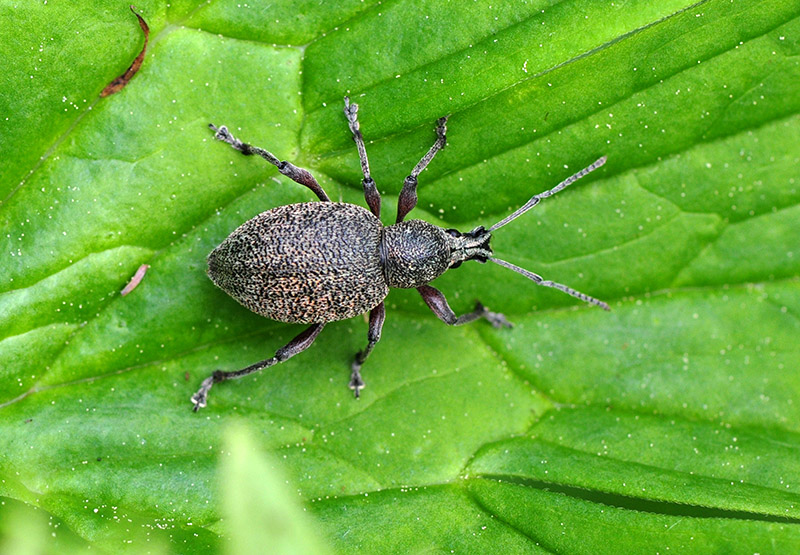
453 232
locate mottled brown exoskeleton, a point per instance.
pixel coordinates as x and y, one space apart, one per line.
317 262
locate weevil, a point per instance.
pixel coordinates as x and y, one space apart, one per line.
318 262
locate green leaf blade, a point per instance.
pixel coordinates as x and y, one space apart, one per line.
668 423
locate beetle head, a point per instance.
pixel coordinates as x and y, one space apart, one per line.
473 245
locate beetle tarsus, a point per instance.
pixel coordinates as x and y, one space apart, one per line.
356 382
221 133
199 398
496 319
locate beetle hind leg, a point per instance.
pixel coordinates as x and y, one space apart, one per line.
298 175
295 346
376 318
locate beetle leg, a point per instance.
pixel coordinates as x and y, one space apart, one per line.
408 196
298 175
371 193
438 304
295 346
376 317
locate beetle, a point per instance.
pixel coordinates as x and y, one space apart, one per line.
318 262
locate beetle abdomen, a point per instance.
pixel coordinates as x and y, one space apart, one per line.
303 263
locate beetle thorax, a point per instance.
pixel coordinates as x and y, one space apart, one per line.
414 252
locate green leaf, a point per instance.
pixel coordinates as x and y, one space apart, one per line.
669 423
260 508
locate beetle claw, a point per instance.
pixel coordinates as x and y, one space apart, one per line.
199 402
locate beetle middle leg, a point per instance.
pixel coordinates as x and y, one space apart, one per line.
437 302
408 195
297 345
376 318
298 175
371 194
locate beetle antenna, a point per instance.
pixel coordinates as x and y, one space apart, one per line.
536 278
537 198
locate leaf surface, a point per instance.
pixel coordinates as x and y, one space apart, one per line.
669 423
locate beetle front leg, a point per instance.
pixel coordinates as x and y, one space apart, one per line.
297 345
371 194
298 175
437 302
376 318
408 195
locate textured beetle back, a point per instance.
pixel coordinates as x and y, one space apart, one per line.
303 263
